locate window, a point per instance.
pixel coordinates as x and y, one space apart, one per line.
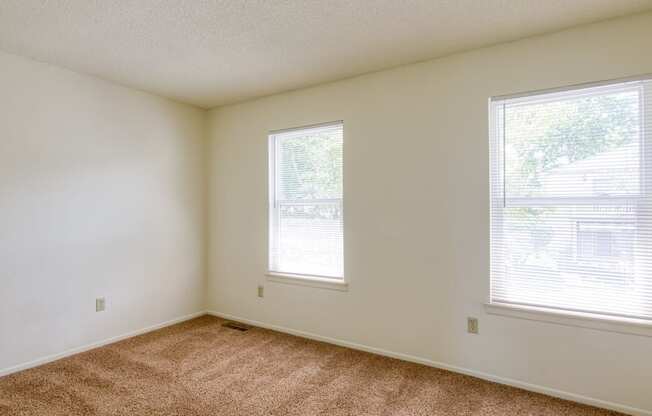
571 200
305 207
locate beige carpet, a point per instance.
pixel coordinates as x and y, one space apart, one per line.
200 368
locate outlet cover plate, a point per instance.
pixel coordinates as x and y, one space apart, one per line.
472 325
100 304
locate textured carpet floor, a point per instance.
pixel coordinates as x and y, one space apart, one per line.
199 368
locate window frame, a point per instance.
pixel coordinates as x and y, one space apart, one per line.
303 279
499 200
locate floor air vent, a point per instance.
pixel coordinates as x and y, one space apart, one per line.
236 325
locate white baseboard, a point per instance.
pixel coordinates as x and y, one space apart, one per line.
485 376
68 353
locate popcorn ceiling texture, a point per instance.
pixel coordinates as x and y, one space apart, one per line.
214 52
199 368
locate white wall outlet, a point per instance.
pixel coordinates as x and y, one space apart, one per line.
261 291
472 325
100 304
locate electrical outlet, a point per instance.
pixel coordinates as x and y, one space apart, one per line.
100 304
261 291
472 325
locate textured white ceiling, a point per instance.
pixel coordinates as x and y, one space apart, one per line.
212 52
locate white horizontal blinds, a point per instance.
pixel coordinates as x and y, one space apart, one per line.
571 187
306 229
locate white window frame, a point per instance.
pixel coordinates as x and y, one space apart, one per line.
325 282
610 323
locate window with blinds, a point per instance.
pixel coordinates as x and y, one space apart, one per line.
305 207
571 200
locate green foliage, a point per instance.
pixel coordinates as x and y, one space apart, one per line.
543 136
310 167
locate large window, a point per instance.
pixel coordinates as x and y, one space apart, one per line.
305 207
571 200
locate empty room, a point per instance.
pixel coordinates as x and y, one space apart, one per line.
325 207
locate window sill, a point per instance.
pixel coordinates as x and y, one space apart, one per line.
306 280
578 319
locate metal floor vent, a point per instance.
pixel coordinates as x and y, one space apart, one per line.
236 325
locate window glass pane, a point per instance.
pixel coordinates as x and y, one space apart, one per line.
310 239
571 257
310 165
581 145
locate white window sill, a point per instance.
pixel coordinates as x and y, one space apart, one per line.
579 319
306 280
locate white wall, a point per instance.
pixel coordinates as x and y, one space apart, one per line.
101 194
417 213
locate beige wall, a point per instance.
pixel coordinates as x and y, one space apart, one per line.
417 214
101 194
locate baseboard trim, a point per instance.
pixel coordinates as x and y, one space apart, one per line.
406 357
48 359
